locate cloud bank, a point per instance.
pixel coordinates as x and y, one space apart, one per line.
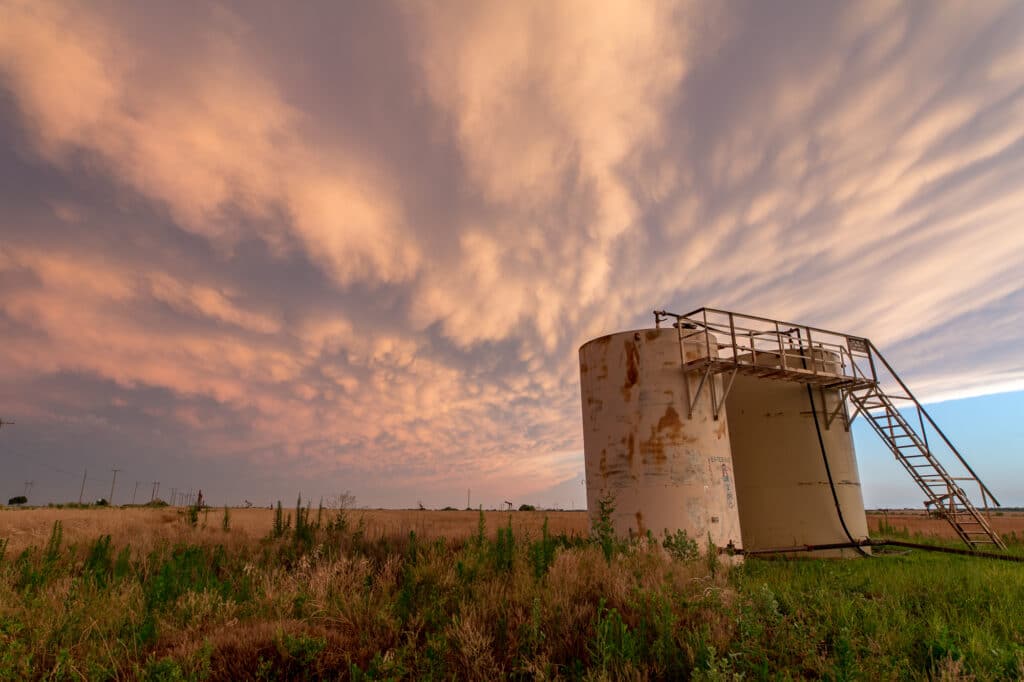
367 241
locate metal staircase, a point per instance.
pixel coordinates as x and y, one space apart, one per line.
864 381
944 496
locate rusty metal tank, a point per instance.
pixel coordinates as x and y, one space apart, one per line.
785 498
662 470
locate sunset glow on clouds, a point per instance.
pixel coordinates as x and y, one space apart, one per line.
364 242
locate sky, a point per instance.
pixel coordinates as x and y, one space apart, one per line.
263 249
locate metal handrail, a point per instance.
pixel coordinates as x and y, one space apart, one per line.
741 337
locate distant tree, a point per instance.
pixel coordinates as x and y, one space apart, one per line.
527 507
20 499
102 502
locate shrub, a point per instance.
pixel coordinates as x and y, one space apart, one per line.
503 551
542 552
679 545
603 531
20 499
527 507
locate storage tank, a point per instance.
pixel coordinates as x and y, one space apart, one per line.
783 489
664 471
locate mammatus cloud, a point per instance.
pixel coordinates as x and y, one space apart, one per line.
393 280
203 133
545 137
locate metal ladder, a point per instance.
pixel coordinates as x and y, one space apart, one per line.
943 493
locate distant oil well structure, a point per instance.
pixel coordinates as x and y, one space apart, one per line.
736 428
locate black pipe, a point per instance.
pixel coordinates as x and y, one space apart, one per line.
950 550
824 457
874 543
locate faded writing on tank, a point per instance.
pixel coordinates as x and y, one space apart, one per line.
730 497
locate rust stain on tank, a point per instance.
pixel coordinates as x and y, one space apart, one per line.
654 446
640 523
632 368
603 464
583 368
631 448
720 432
670 420
651 334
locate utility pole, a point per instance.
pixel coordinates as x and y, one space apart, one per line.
467 499
82 491
174 497
110 500
135 491
156 489
28 487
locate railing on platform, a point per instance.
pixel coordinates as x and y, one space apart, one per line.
776 348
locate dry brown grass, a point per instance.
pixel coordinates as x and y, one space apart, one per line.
143 528
333 603
918 522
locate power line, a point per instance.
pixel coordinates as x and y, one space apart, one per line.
35 461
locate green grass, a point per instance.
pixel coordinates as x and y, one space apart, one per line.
319 600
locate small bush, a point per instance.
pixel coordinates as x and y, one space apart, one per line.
503 550
603 531
679 545
20 499
542 552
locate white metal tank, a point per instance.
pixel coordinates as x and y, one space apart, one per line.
785 498
664 472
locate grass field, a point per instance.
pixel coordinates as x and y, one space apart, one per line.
164 594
